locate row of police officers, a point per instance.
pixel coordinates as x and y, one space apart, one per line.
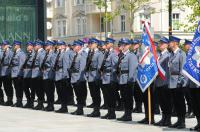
67 69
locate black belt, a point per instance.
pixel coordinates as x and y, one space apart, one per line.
93 69
124 72
175 73
74 71
107 71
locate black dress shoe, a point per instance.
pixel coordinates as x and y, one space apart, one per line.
180 124
17 104
8 103
95 113
28 105
143 121
62 110
40 106
105 116
79 111
111 114
167 122
126 117
49 108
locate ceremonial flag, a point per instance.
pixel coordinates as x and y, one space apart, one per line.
147 68
191 68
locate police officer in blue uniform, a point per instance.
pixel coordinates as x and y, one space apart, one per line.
93 77
162 85
48 75
102 48
78 78
6 71
62 78
37 82
127 67
137 94
27 73
176 81
16 65
109 77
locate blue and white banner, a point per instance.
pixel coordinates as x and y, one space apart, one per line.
191 68
147 68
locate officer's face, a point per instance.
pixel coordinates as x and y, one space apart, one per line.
172 45
109 45
89 45
77 48
187 47
48 47
136 46
104 47
126 47
37 47
93 46
29 48
4 47
162 46
16 47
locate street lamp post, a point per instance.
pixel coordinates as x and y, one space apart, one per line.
170 17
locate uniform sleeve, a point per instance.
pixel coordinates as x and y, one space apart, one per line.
132 63
82 64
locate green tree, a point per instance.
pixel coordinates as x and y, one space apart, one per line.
192 18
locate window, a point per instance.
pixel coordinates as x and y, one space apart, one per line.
61 28
59 3
142 18
123 23
80 25
84 25
175 21
102 24
79 2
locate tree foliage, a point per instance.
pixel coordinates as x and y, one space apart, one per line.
192 18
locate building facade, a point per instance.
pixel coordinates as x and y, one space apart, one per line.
72 19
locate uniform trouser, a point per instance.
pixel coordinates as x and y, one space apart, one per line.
28 89
49 90
179 101
146 104
164 97
104 93
95 93
118 95
195 94
137 94
37 84
64 88
70 91
127 95
58 91
188 97
18 85
7 83
80 90
110 90
1 91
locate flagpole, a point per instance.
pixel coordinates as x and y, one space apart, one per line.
149 104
